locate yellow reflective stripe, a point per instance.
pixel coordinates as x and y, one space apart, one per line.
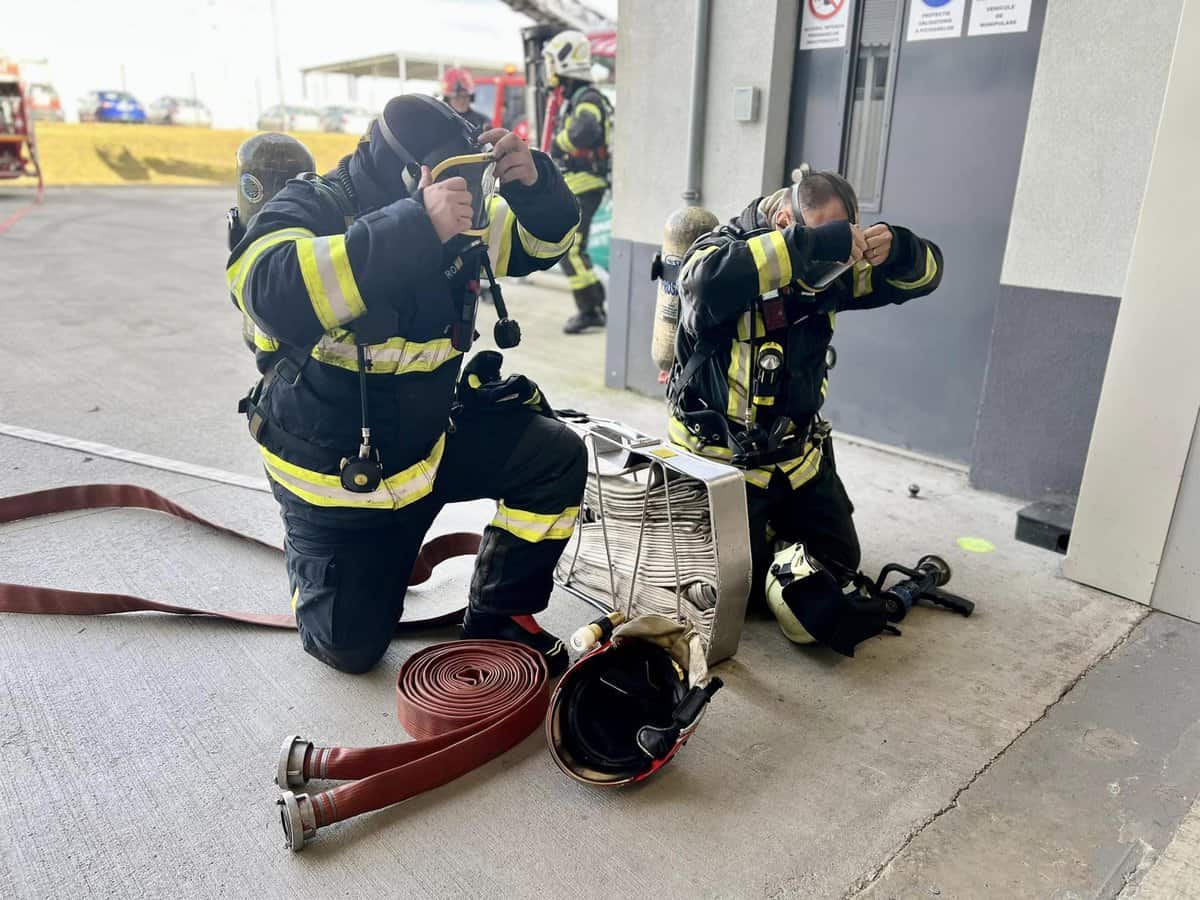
325 267
743 326
579 282
801 471
396 356
589 108
535 527
256 336
582 182
499 234
862 278
760 478
678 434
295 598
832 321
930 273
563 140
772 261
238 273
399 490
540 249
738 407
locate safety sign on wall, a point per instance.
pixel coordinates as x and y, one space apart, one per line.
932 19
824 24
999 17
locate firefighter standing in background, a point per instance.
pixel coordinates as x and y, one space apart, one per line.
355 287
753 356
580 145
458 91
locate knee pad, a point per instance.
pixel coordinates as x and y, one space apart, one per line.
351 659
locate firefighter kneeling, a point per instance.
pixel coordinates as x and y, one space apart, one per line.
759 299
359 289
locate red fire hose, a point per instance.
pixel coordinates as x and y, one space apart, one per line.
465 703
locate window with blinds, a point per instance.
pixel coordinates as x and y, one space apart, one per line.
872 75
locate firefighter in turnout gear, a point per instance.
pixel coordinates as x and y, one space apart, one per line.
360 288
581 137
458 92
760 297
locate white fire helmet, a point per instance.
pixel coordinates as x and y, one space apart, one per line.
568 55
791 564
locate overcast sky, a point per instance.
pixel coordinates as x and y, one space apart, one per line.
227 45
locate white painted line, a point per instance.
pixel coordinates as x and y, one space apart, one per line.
220 476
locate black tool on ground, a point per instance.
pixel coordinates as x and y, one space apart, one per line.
923 582
363 473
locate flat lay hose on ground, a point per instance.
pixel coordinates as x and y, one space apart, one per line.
464 703
21 598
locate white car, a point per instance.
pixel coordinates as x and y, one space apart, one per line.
179 111
346 119
290 118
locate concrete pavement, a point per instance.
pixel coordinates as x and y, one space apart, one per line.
968 758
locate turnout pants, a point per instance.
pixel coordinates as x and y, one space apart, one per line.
349 568
581 276
818 514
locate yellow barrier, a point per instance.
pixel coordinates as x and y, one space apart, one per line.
107 154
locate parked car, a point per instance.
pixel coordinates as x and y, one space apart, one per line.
179 111
44 103
110 106
290 118
346 119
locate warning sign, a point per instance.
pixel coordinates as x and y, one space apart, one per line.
824 24
929 20
999 17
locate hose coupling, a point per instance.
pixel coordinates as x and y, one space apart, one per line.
290 773
298 819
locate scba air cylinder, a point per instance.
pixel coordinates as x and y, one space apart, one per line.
681 230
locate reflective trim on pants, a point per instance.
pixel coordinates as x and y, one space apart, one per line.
535 527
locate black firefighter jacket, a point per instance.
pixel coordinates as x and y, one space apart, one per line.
306 282
723 277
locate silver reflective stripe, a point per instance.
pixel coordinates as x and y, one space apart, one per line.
499 224
772 256
338 304
409 356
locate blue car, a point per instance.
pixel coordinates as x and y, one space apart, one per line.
110 106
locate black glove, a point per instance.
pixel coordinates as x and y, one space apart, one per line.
480 388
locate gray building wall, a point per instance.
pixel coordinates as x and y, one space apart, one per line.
1093 115
750 45
1003 377
912 375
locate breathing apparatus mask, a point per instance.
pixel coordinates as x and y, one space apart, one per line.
625 709
816 276
434 135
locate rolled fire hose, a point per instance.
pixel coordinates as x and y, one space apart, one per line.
22 598
464 702
681 536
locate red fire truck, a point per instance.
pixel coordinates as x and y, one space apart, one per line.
18 145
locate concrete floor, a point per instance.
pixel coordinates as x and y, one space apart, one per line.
1047 747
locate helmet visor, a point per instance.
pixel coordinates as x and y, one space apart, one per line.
479 171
